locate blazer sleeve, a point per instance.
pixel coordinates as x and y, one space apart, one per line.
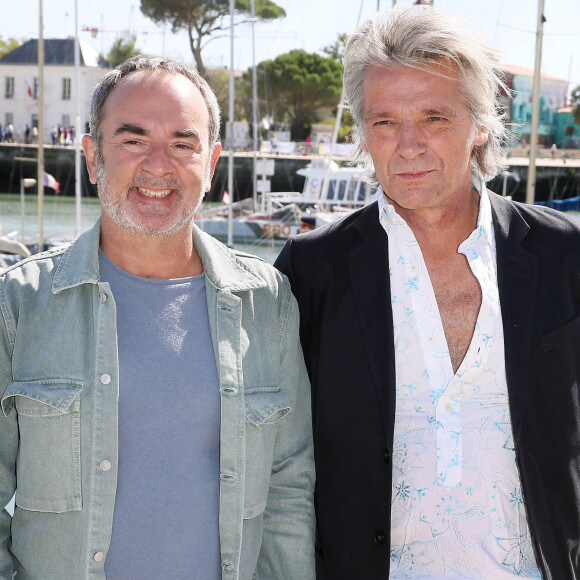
294 270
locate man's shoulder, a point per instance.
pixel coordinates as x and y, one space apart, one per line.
540 220
35 265
258 266
345 230
236 270
30 281
64 266
327 251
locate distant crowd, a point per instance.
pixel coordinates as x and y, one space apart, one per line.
59 135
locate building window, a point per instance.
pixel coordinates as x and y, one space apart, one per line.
66 89
35 88
65 120
9 88
8 118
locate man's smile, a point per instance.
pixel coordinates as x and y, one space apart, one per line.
158 194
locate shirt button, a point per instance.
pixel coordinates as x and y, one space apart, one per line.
103 297
448 407
380 538
99 557
105 465
386 455
105 379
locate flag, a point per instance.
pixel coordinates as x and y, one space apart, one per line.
28 89
49 181
226 198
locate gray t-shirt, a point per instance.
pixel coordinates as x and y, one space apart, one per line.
165 523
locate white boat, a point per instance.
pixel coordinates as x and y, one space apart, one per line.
329 192
250 226
11 250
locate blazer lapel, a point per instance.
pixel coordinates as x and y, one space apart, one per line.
368 267
517 272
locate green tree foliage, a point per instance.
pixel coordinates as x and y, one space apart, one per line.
244 101
297 86
202 18
219 81
575 100
346 125
9 45
122 49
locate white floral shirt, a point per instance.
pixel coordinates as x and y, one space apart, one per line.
457 506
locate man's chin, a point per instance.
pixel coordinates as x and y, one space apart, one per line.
149 228
156 231
147 224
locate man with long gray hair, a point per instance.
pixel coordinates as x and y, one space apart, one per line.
155 413
441 331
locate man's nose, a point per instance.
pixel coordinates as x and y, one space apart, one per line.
157 160
411 140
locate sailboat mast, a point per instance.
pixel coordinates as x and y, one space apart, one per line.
230 241
254 108
531 185
78 131
40 167
341 106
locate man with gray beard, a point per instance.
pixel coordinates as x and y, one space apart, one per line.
155 404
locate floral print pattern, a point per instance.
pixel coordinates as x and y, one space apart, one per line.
457 504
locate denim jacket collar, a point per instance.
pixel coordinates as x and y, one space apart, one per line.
222 267
80 264
80 261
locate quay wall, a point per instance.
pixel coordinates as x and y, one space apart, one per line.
560 178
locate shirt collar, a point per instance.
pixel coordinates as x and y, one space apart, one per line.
222 267
393 223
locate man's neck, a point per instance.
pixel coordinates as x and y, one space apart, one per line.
152 256
439 231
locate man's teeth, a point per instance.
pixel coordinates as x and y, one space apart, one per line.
153 192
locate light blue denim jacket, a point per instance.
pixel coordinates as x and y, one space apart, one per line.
58 427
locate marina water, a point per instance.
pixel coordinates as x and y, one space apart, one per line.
59 221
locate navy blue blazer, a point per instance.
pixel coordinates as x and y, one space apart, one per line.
339 275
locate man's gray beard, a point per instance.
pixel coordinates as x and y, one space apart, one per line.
123 220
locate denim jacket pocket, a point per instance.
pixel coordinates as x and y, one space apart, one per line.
48 468
265 407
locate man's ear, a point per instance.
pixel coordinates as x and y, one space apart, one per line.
217 149
481 136
90 150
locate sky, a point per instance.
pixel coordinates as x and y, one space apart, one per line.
310 25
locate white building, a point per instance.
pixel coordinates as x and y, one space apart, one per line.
19 84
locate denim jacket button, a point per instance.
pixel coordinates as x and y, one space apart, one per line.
105 465
105 379
99 557
103 297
